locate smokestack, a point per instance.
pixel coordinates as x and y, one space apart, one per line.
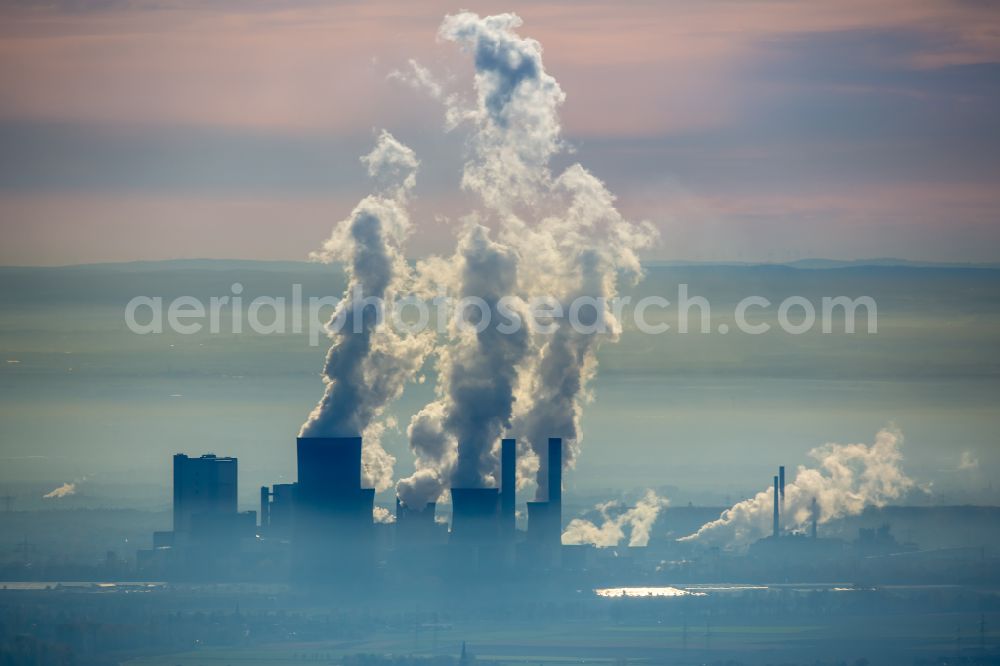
555 470
508 452
815 516
777 526
554 511
781 491
875 477
265 507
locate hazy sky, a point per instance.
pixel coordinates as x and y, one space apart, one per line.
751 131
81 397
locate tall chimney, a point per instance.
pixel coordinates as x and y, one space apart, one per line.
265 507
781 491
555 485
776 519
555 470
508 452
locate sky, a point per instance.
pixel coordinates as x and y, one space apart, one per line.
751 131
81 397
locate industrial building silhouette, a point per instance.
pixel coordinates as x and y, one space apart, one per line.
322 527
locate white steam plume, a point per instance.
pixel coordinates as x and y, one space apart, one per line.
369 363
579 255
849 478
515 114
639 520
65 490
454 437
968 461
560 237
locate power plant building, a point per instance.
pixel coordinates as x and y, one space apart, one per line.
208 528
321 528
204 486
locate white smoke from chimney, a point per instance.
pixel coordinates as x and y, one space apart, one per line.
849 477
968 461
578 254
639 521
369 363
393 166
558 237
515 113
454 437
377 464
65 490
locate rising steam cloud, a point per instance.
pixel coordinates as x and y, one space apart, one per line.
578 255
849 477
559 237
454 437
639 521
369 363
968 461
65 490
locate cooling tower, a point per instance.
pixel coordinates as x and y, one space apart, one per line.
542 548
406 515
539 525
333 530
545 517
414 526
329 468
475 514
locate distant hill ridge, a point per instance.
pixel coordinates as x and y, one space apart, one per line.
206 264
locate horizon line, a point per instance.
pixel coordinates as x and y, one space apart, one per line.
806 263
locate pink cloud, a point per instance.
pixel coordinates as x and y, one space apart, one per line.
56 229
643 69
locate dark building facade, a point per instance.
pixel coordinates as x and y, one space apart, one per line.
208 528
203 487
475 515
333 530
322 529
545 516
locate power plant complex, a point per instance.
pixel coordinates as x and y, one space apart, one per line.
323 526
